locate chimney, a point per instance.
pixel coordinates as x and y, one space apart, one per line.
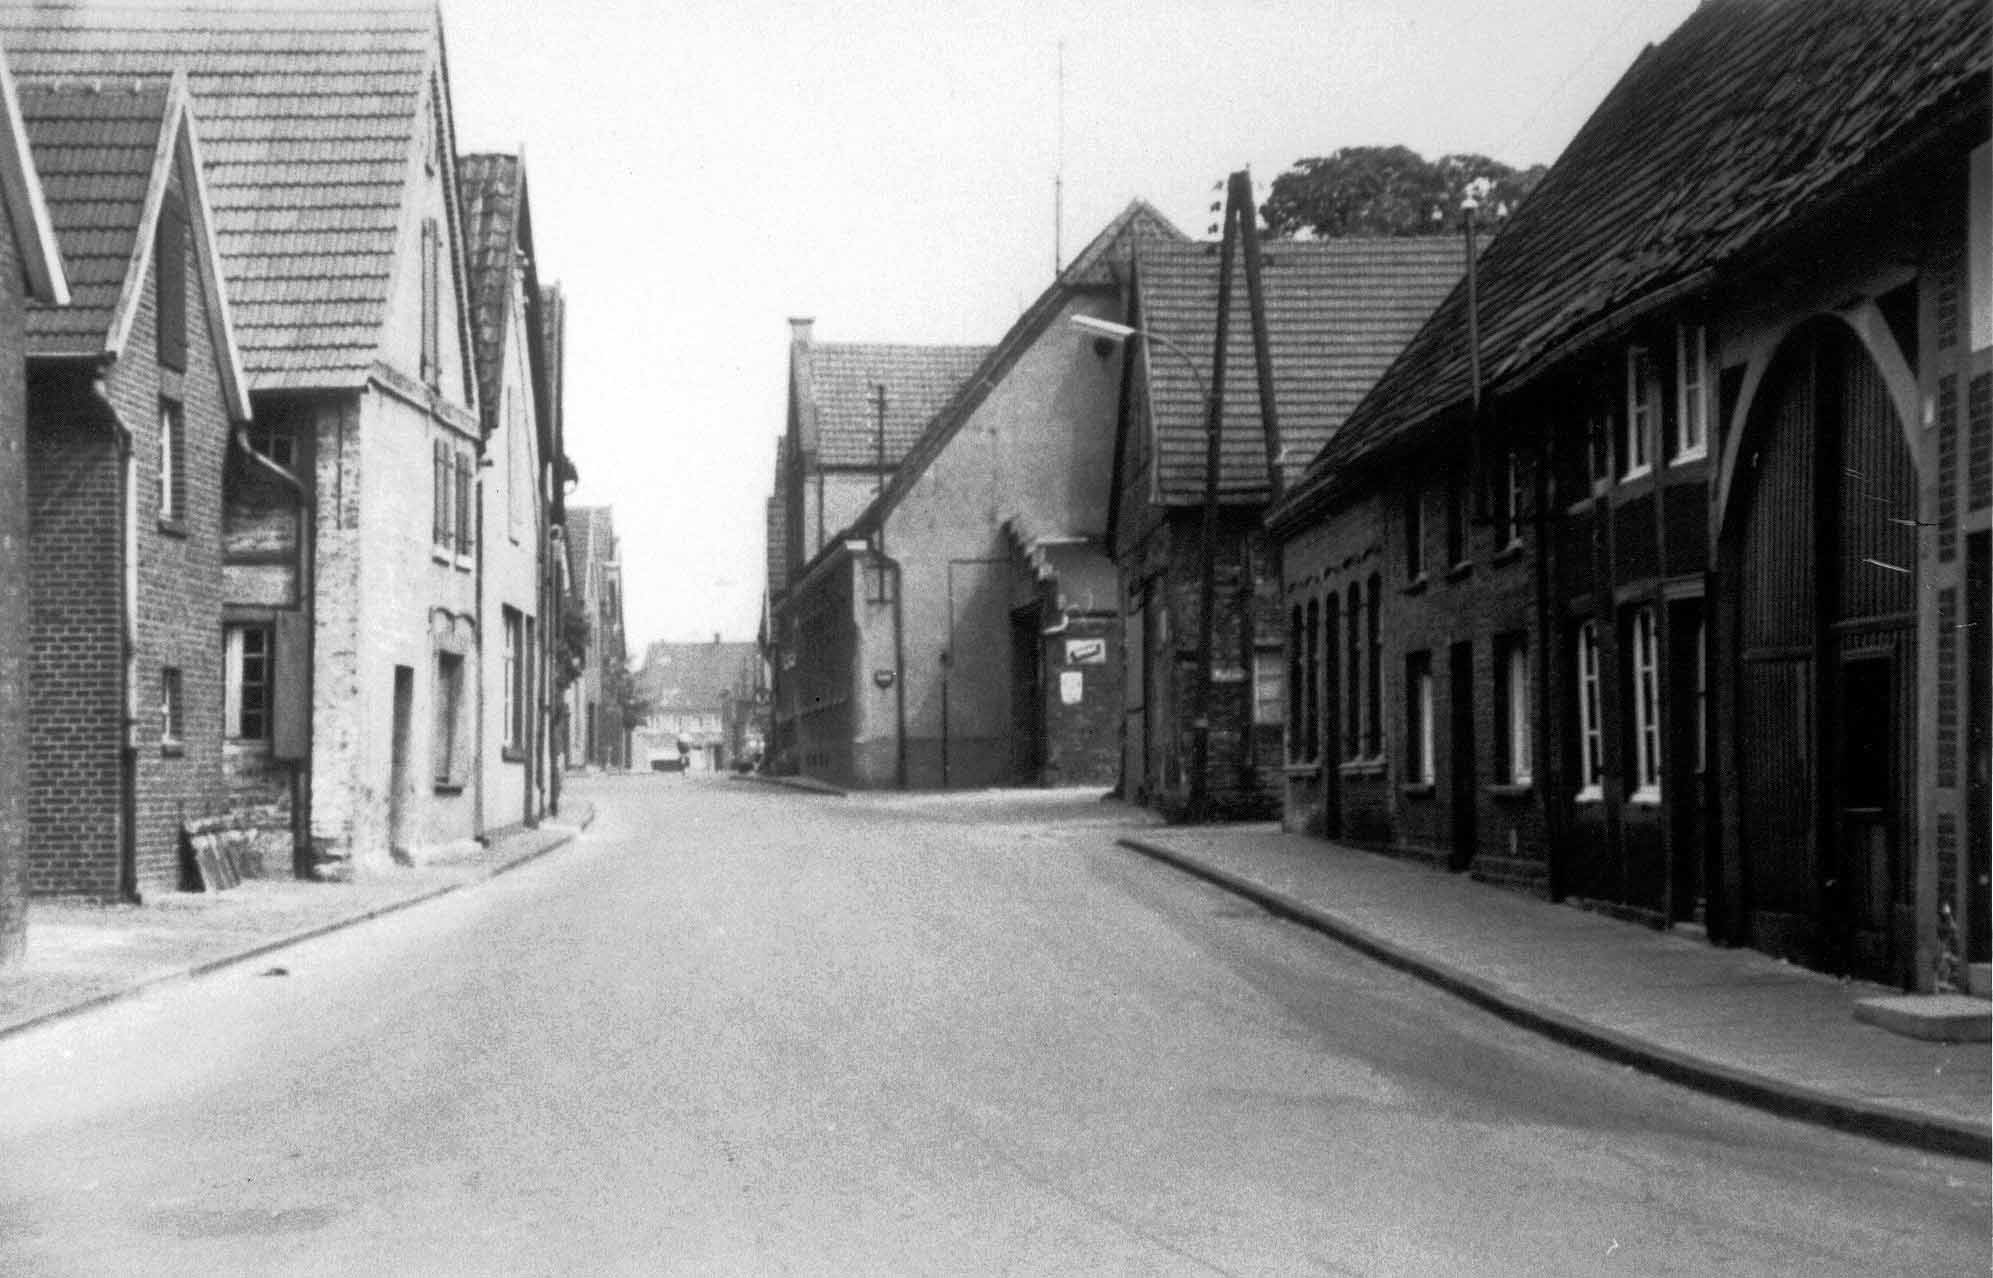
799 329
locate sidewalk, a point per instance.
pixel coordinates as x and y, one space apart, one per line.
1732 1022
82 955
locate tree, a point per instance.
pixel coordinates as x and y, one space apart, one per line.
1385 190
572 657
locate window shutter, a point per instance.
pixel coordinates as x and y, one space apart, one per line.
439 526
466 530
290 687
169 255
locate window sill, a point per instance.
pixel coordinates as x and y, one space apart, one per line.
1460 571
1645 797
1298 771
466 563
1416 586
1511 551
440 555
1421 790
1512 790
1590 794
172 749
172 527
449 787
1696 457
1362 768
1637 474
512 754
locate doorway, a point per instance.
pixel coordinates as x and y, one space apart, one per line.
1027 697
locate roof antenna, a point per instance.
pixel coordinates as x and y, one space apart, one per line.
1059 176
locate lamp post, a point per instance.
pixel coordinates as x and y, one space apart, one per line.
1200 710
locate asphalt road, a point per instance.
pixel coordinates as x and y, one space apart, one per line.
742 1030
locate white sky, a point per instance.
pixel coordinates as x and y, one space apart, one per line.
703 169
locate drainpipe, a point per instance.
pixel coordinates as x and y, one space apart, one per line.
477 678
892 565
127 642
553 640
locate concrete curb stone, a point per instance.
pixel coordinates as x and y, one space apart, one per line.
1773 1095
807 785
563 832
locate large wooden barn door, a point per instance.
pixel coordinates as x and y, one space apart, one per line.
1825 558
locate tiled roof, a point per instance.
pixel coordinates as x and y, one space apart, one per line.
96 152
1337 311
692 676
591 535
26 204
1095 267
310 116
553 337
492 187
918 381
1749 118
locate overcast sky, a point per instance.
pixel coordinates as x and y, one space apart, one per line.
703 169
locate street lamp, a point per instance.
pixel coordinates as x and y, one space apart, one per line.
1200 712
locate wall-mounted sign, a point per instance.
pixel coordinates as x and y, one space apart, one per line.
1086 652
1072 687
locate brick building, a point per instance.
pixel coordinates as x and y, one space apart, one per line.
516 489
595 706
31 269
700 697
135 396
854 409
960 631
1714 652
340 232
1336 313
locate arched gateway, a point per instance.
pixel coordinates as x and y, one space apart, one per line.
1821 548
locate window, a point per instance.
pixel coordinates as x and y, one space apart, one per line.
449 755
442 529
1415 534
1598 447
1691 392
1508 519
169 256
1353 731
432 303
1374 717
1456 517
466 515
274 443
172 727
172 462
1311 707
1636 451
515 671
1268 697
1643 643
246 691
1591 737
1512 710
1331 689
1418 719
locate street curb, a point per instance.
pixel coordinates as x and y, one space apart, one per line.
1776 1096
805 785
236 958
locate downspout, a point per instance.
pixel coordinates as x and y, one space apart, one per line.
128 642
553 640
899 666
483 637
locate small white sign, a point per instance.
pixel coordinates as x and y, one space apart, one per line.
1072 687
1086 652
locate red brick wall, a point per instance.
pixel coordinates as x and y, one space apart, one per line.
73 706
15 605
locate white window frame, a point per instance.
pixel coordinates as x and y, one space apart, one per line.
1691 392
1591 729
1644 667
515 637
1512 511
236 660
1516 670
1637 443
1269 686
172 706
